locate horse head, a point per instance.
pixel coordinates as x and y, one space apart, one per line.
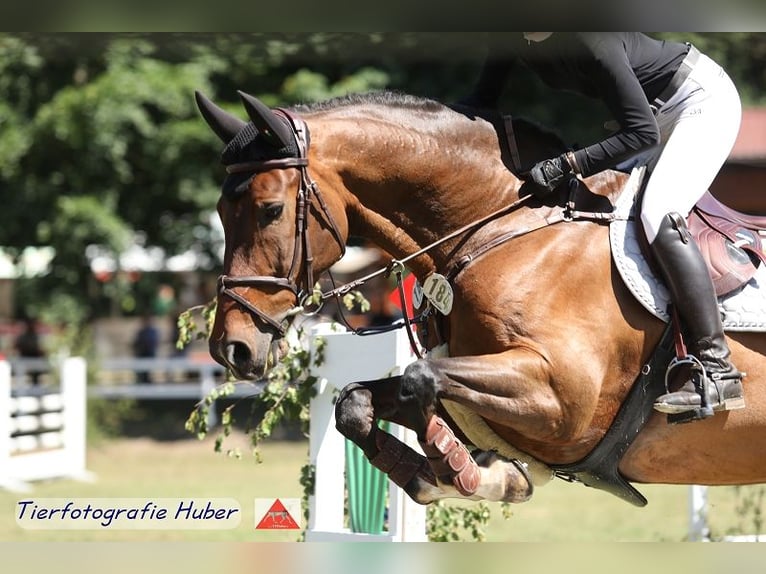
266 205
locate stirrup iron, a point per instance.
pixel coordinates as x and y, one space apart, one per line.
701 387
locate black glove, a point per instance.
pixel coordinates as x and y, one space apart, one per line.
549 174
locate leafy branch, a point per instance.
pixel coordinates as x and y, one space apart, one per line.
285 396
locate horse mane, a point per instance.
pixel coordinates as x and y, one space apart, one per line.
247 146
387 98
526 127
535 141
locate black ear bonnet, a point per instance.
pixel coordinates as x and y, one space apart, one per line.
251 145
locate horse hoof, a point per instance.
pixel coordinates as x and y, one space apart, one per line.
424 489
503 480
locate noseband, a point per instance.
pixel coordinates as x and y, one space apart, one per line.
302 254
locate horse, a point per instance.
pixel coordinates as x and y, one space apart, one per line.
544 342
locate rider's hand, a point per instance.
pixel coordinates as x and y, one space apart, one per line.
547 175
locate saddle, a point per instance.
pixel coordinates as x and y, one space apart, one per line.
730 242
731 245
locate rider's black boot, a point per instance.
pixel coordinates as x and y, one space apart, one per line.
715 384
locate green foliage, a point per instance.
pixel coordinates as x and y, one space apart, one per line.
285 397
451 523
308 86
741 54
749 508
101 143
355 299
96 139
307 482
188 327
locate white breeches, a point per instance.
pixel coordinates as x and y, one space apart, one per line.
698 127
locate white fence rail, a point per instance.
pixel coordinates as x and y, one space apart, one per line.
173 378
118 377
42 432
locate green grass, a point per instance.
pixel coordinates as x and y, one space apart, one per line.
558 512
143 468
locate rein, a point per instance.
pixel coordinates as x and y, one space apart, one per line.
397 266
308 190
343 289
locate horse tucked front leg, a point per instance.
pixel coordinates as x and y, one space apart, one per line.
449 469
476 475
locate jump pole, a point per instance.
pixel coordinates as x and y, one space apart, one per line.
349 358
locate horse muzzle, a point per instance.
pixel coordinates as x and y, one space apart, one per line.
247 360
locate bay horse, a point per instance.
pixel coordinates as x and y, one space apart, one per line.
544 340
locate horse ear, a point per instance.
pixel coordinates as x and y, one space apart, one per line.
225 125
276 132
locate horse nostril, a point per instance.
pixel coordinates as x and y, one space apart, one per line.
237 354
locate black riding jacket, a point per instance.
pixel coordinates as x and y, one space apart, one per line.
626 70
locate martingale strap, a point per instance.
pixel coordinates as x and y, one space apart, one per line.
567 214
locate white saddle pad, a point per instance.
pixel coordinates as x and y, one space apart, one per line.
742 310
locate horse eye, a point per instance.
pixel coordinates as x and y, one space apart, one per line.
273 210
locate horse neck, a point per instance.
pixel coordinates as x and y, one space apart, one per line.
407 182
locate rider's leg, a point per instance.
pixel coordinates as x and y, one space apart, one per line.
698 127
693 295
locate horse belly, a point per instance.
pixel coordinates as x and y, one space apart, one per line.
728 448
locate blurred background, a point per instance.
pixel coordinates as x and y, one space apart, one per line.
109 179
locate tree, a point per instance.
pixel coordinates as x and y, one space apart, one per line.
104 146
99 137
101 144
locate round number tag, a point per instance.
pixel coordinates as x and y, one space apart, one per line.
439 292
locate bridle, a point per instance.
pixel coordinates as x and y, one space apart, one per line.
306 296
301 287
